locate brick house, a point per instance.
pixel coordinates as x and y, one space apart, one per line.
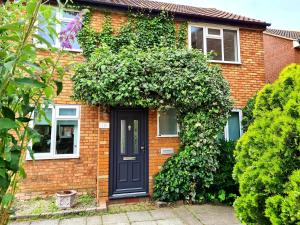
282 47
83 147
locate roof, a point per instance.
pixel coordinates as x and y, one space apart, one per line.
293 35
183 10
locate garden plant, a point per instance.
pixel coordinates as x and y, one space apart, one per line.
28 83
268 155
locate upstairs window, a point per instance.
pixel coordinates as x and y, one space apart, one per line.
64 17
223 42
59 133
167 123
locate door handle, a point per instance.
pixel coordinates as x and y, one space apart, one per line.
143 148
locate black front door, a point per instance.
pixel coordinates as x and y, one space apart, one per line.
128 153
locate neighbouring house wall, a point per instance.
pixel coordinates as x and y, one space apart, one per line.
91 170
279 52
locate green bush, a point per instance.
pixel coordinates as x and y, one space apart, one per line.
224 189
248 113
285 208
268 154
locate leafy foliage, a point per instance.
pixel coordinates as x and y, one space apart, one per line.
27 82
148 65
143 31
268 154
224 189
248 113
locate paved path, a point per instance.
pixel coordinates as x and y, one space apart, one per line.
183 215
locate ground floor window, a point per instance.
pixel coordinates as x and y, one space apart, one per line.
167 125
59 132
233 129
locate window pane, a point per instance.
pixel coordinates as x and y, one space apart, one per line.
69 14
215 45
234 126
168 122
197 37
44 129
74 43
214 31
67 112
135 136
230 45
44 32
66 136
123 136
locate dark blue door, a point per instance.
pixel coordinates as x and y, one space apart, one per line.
129 153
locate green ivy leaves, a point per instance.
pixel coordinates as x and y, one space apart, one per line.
147 64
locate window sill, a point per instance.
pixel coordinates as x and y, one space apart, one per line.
167 136
225 62
48 157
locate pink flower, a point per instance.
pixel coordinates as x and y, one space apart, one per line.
68 35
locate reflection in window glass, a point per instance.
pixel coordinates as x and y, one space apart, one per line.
123 136
66 136
215 45
44 32
168 122
67 111
42 126
197 37
213 31
135 136
230 45
69 14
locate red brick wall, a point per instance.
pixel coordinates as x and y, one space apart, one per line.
48 176
90 171
279 53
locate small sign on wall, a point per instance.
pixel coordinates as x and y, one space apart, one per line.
167 151
104 125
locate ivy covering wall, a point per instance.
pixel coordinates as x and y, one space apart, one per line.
147 64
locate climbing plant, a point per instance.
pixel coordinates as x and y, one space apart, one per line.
146 64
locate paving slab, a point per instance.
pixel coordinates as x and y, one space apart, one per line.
19 223
160 214
144 223
186 216
73 221
139 216
45 222
214 215
94 220
174 221
115 219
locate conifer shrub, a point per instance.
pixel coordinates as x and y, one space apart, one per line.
268 155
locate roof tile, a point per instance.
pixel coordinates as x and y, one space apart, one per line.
176 8
284 33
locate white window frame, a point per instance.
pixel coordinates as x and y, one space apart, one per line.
164 135
55 117
205 28
58 28
226 129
